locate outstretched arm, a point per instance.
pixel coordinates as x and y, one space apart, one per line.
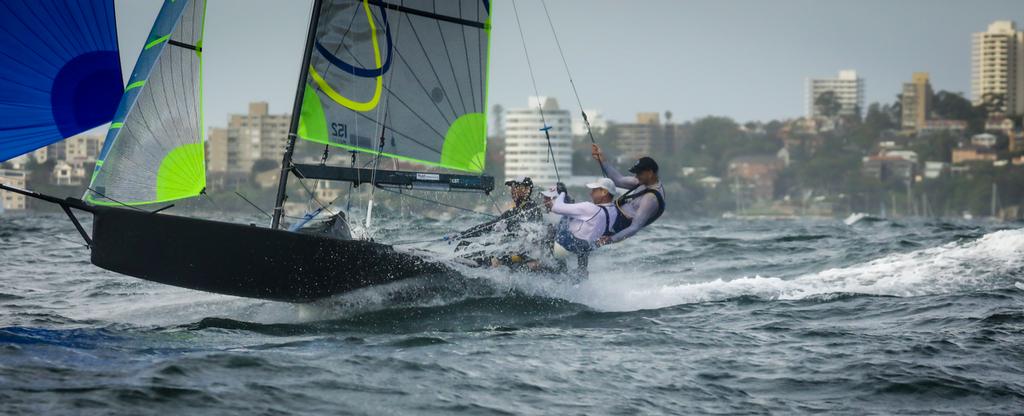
579 210
627 182
648 207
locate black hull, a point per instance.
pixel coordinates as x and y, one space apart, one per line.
242 260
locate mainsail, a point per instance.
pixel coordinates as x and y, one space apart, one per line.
60 71
413 72
154 149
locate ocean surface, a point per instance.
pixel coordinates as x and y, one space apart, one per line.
694 317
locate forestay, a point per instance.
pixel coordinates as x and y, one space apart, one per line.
414 71
154 149
60 71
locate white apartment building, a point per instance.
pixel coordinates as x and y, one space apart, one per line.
848 88
997 65
526 148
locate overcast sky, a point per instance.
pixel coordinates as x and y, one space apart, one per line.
746 59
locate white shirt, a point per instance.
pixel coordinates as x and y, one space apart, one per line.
586 221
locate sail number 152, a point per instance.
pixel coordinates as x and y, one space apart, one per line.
339 130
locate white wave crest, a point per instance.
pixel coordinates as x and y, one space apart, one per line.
981 264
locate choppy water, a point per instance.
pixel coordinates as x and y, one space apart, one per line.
728 317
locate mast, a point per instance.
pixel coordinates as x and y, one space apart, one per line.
995 200
293 128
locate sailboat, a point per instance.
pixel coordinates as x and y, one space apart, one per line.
404 81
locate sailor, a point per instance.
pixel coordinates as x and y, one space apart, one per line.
524 210
641 205
512 223
588 221
584 223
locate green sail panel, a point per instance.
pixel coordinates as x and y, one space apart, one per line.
414 70
154 149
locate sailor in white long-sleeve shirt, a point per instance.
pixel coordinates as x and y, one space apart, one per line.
588 221
641 205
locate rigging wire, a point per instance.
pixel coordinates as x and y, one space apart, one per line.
313 198
253 205
383 130
495 202
540 106
351 186
437 202
568 73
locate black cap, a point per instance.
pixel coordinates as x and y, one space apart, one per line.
521 180
644 163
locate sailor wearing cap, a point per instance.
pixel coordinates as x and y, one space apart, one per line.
588 221
524 209
641 205
511 222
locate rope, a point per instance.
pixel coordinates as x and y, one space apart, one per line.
540 106
572 83
568 73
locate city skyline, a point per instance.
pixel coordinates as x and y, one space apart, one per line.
748 61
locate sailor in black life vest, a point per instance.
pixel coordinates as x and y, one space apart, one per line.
641 205
524 210
511 223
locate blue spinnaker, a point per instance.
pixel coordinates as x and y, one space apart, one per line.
60 71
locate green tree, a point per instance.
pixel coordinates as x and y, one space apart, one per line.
951 106
935 147
828 104
993 103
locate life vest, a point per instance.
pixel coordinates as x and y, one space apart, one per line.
572 244
622 221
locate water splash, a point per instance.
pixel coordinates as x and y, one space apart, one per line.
991 262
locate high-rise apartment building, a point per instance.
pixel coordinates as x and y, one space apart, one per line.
217 150
636 140
997 66
251 137
847 87
916 102
526 148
